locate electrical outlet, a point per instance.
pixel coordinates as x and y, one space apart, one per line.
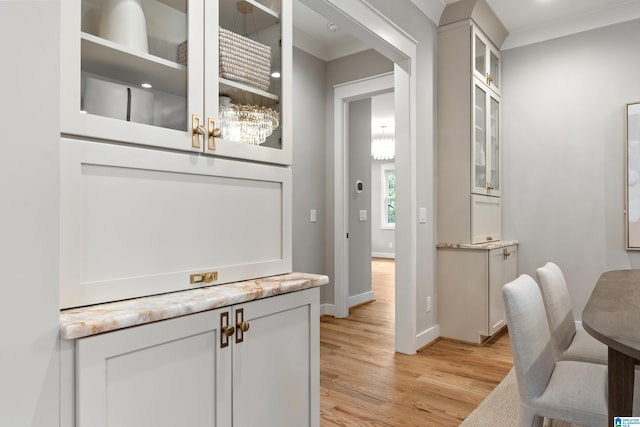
428 304
390 245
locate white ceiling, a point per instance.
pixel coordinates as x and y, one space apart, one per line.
528 21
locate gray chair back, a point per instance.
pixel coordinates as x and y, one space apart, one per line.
555 295
530 337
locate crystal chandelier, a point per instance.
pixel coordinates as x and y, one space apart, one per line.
248 124
383 147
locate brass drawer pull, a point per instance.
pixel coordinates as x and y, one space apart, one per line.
207 277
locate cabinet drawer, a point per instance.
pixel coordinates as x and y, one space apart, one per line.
136 221
485 219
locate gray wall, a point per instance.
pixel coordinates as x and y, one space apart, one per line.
563 130
347 69
359 142
308 163
29 239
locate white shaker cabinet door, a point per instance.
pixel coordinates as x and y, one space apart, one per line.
137 222
165 374
276 362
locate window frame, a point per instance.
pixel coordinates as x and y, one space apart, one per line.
386 169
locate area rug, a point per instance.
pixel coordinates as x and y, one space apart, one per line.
500 408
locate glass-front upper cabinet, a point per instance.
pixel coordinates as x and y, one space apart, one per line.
246 101
485 169
154 72
486 60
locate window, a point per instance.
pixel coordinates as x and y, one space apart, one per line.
388 196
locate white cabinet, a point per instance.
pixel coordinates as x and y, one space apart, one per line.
138 222
469 144
246 365
470 281
164 91
486 60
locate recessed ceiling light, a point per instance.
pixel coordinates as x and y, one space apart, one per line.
146 85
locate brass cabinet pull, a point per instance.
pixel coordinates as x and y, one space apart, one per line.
489 79
489 186
241 325
197 131
505 254
213 133
489 238
207 277
226 329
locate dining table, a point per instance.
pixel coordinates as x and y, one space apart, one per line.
612 316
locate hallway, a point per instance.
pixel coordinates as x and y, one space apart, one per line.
365 383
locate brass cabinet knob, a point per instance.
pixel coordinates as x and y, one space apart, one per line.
228 330
243 326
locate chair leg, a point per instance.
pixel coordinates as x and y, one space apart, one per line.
528 418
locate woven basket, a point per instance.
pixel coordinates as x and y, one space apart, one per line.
244 60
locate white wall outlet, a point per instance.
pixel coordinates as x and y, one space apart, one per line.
390 245
428 304
363 215
313 215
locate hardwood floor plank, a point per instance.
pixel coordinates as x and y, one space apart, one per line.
365 383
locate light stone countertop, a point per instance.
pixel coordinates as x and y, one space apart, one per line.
488 245
95 319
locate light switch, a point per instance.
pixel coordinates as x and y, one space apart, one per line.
313 216
423 216
363 215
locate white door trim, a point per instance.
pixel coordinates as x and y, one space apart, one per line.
342 95
374 29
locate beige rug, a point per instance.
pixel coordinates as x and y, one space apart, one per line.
500 408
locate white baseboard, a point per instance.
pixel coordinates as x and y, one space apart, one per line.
390 255
361 298
327 310
427 336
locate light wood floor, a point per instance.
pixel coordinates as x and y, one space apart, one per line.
365 383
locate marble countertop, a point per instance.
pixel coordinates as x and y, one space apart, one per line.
488 245
95 319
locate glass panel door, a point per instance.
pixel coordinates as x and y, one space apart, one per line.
494 123
134 67
480 56
247 103
479 116
494 70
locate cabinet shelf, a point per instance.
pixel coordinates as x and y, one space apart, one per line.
244 94
262 16
103 57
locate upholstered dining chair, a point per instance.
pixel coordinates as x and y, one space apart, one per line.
568 342
564 390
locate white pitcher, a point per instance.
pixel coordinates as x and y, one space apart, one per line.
123 22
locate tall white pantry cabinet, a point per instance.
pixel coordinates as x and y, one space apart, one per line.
474 261
161 192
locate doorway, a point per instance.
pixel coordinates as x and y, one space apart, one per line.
368 25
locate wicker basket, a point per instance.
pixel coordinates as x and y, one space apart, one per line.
244 60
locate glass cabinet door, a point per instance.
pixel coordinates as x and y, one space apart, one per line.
479 158
485 170
486 60
494 146
131 70
247 79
